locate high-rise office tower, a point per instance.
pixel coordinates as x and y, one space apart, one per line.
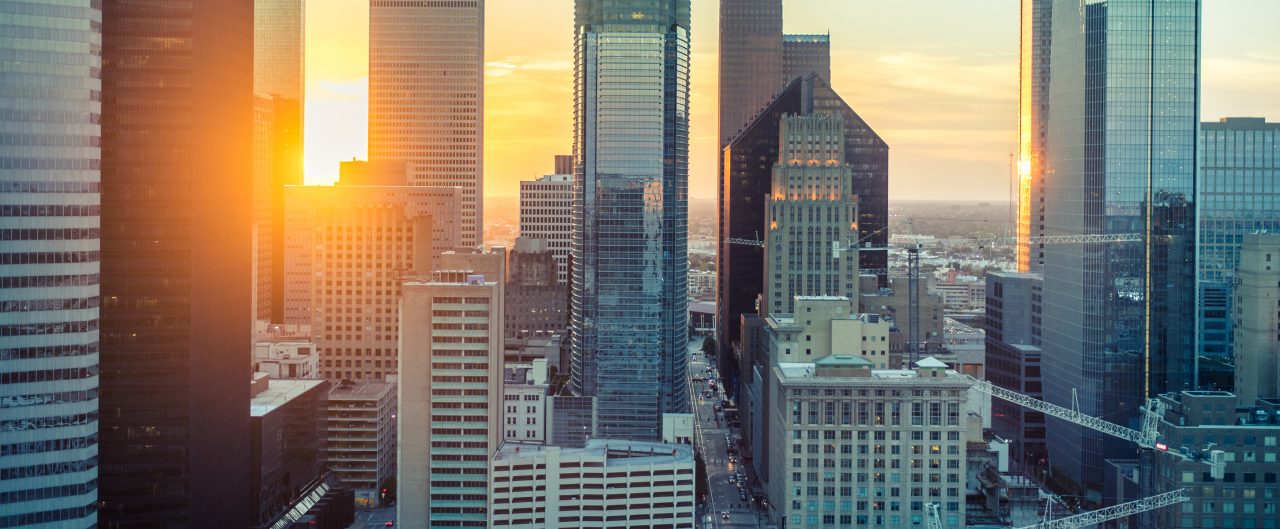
278 43
1012 352
1256 293
750 61
543 203
348 248
426 97
1239 193
629 305
812 216
49 228
1033 128
451 396
805 54
177 190
1124 96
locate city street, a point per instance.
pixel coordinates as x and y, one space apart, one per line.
711 433
374 518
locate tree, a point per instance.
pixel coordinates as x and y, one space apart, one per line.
709 345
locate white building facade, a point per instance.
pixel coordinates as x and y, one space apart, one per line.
545 213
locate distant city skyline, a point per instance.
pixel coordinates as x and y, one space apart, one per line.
943 94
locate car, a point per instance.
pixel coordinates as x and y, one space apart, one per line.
390 523
724 514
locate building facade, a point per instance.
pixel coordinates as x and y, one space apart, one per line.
853 446
50 225
812 216
537 302
1238 186
629 310
279 81
750 61
177 195
287 443
805 54
1256 329
451 395
1116 327
348 248
547 487
543 204
1034 38
426 97
360 437
524 402
1012 348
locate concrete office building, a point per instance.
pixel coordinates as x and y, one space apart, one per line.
451 396
524 402
426 97
544 212
1256 333
177 258
895 303
1238 193
1035 35
546 487
805 54
1115 331
812 215
279 92
287 443
360 437
629 311
293 359
1196 422
537 302
571 420
853 446
826 325
348 248
50 225
1012 345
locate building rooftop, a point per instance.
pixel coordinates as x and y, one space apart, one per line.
931 362
278 393
843 360
806 38
618 452
365 390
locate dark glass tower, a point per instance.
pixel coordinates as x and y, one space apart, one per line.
1118 318
49 262
177 133
750 61
629 308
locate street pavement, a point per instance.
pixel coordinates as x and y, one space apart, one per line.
710 431
374 518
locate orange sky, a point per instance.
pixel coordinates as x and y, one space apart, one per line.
936 78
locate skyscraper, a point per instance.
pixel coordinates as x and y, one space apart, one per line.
629 305
542 206
49 268
1033 127
805 54
451 395
278 77
1239 193
812 216
177 189
750 61
1123 105
1256 334
426 97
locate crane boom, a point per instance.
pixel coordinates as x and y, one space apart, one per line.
1145 438
934 515
1122 510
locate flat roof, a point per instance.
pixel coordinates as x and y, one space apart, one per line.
369 389
619 452
278 393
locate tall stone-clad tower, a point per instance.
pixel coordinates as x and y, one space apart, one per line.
426 97
1035 32
750 61
177 181
812 215
630 251
49 265
279 84
1118 318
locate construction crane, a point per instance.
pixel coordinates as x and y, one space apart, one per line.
1089 518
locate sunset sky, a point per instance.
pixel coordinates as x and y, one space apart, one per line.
936 78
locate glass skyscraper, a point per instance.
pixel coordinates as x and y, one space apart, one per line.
1123 106
1239 193
629 300
49 262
